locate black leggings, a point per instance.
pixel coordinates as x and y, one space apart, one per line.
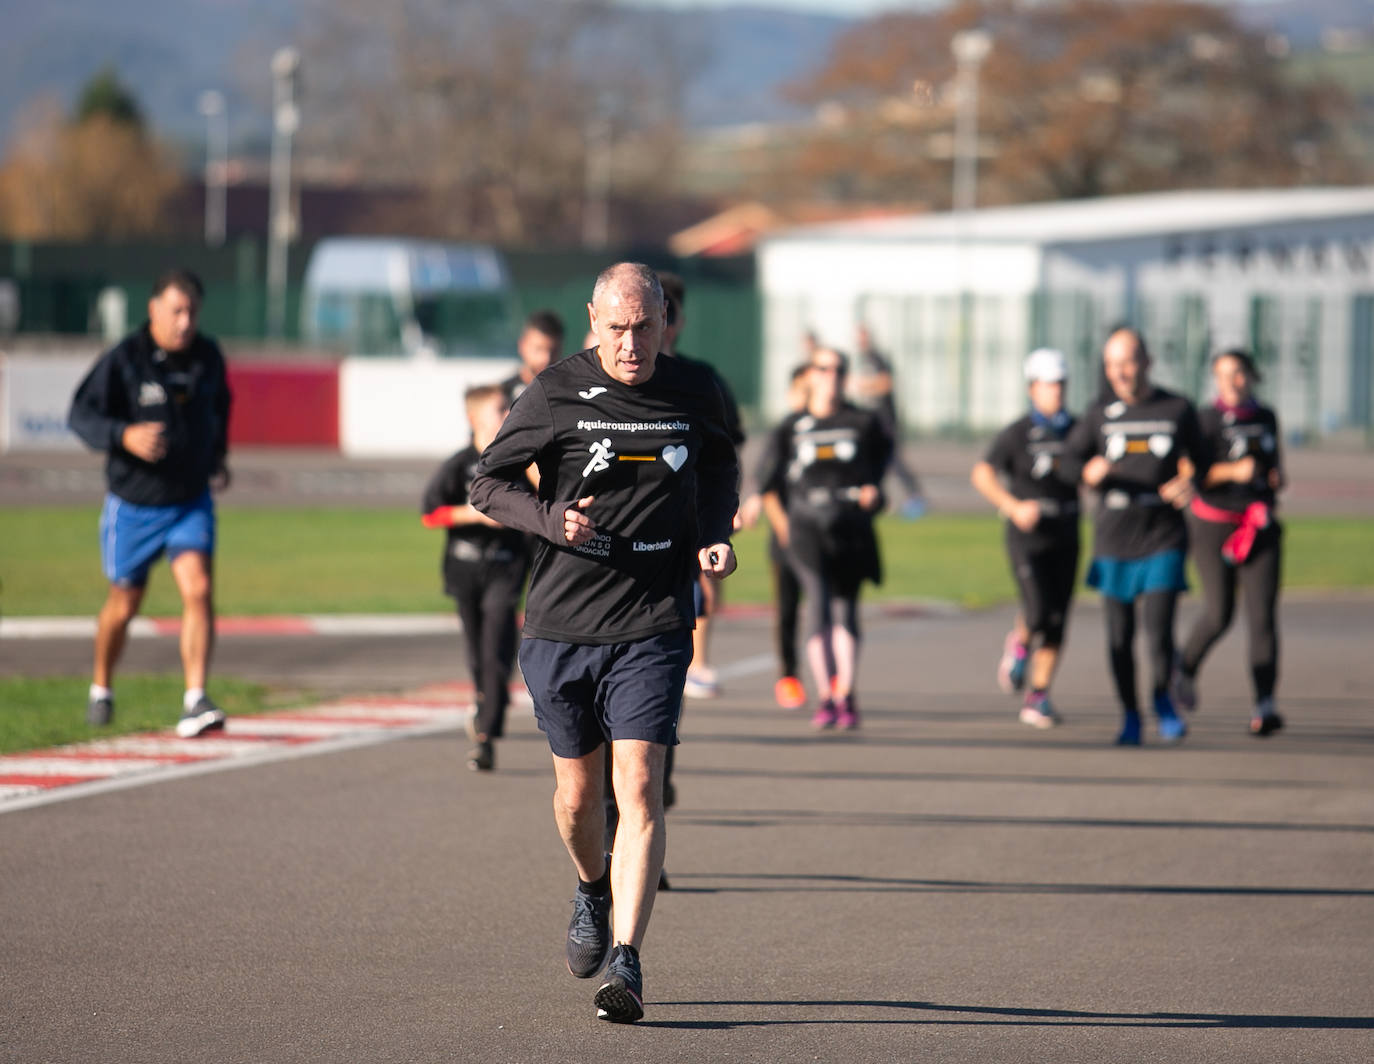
487 597
1159 634
787 597
1046 580
1258 580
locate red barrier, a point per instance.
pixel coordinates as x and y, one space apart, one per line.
285 405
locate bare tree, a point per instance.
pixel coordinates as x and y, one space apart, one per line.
1078 98
488 105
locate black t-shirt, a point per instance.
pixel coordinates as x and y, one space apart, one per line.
468 544
1144 443
733 424
1229 437
513 387
1030 456
665 477
816 465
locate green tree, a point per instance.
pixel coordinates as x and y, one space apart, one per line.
105 96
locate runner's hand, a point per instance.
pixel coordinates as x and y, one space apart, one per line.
1095 470
1243 470
146 440
1025 515
717 561
577 526
870 498
1178 492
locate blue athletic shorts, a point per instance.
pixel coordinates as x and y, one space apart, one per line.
584 695
1124 579
133 537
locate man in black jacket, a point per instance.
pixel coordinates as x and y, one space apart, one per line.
157 404
638 487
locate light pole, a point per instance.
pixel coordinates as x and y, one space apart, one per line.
212 106
286 66
596 203
970 48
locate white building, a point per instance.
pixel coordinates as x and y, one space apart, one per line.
957 300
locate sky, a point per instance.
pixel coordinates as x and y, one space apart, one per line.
833 7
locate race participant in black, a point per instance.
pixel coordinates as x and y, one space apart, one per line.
827 462
157 404
873 388
1040 505
539 346
637 494
1235 538
788 691
701 677
484 568
1139 447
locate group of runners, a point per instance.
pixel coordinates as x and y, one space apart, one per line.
1169 481
611 479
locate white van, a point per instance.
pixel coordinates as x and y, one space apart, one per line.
385 296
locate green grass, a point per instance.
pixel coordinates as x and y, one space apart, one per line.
51 710
312 560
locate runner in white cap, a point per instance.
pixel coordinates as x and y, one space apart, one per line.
1021 476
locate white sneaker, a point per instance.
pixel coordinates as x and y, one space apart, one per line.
701 683
1039 714
204 716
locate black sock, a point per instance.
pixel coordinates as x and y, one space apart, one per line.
599 887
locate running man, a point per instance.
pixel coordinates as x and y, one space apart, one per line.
1040 506
157 404
1139 447
637 494
1235 538
484 567
539 346
827 462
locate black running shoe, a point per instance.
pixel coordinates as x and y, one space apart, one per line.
589 934
482 757
621 997
100 711
204 716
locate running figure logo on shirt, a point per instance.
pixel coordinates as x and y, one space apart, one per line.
601 456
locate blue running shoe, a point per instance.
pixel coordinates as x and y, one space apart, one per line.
1172 727
1130 730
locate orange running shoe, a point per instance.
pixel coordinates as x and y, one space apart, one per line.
790 693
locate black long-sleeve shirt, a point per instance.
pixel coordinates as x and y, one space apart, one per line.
1144 442
1230 436
659 462
468 544
186 390
1029 454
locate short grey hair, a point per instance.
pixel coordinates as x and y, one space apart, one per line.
636 274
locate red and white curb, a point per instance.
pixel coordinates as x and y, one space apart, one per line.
40 776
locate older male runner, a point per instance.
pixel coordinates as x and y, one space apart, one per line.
638 487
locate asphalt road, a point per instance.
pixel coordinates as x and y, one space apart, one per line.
945 885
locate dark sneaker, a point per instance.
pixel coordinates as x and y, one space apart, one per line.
620 998
1130 730
846 713
482 757
100 711
589 934
204 716
1266 720
1183 688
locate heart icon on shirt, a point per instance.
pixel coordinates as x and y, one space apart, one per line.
675 456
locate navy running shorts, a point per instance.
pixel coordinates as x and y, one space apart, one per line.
586 694
134 536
